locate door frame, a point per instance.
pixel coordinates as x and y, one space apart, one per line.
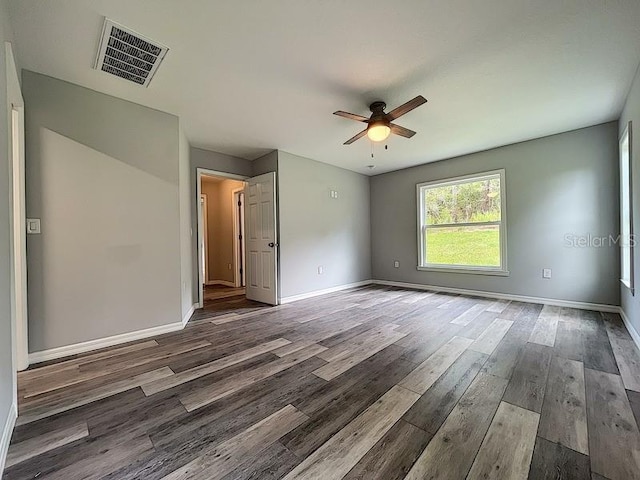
238 229
200 172
204 205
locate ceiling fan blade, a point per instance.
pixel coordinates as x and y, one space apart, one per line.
403 132
405 108
351 116
356 137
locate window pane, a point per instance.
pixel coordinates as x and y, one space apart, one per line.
468 246
468 202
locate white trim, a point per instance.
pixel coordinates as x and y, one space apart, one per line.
204 265
82 347
317 293
632 331
461 269
199 173
187 315
601 307
7 431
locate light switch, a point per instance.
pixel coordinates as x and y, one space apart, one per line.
396 264
33 225
546 273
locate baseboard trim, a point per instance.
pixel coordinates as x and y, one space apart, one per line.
632 331
220 282
83 347
187 315
505 296
317 293
7 431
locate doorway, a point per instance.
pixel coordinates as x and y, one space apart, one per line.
220 242
236 269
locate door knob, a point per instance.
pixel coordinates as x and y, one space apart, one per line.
271 244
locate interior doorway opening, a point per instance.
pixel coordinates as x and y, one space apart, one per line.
221 241
237 246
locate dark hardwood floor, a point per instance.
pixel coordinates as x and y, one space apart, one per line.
371 383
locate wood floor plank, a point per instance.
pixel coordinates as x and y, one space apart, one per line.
426 374
432 409
340 407
64 404
206 395
452 450
469 315
269 464
92 468
498 306
564 411
491 337
343 451
504 358
634 402
33 447
208 368
507 448
614 439
625 351
224 458
394 454
371 336
529 379
598 354
552 461
114 364
544 332
347 360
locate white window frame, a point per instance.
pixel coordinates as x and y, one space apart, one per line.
423 266
626 204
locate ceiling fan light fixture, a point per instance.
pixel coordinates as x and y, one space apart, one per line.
378 132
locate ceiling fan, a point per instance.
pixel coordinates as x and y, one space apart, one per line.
379 124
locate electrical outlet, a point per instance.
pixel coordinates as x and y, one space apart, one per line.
320 270
230 267
546 273
396 264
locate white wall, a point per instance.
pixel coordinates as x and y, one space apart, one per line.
317 230
103 175
557 185
631 113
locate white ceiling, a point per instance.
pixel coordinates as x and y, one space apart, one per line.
250 76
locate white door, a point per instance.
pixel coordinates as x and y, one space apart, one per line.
261 243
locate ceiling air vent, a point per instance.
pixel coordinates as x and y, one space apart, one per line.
127 54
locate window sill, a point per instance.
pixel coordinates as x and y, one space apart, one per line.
467 270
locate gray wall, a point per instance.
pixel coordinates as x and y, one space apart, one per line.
563 184
6 335
103 175
318 230
631 113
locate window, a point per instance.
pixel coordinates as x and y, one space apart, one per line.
461 224
626 227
